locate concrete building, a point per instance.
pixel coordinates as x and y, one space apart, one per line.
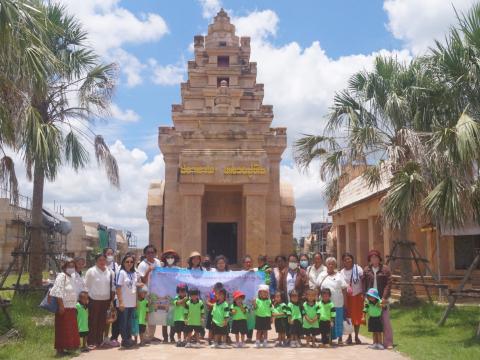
222 192
358 227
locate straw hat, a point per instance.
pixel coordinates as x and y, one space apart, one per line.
194 253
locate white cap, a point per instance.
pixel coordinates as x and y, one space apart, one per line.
263 287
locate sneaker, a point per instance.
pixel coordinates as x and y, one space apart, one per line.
189 345
293 344
257 344
114 343
373 346
278 344
178 344
265 344
380 347
223 346
243 345
214 346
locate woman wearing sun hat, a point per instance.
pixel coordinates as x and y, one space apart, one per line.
378 276
195 261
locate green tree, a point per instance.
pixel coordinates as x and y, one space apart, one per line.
64 107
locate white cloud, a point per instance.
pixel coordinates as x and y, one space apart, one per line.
166 74
131 67
418 23
210 8
127 115
111 26
258 24
88 193
300 84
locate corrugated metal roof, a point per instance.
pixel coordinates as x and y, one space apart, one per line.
358 190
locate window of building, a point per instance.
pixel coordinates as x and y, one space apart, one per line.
220 79
222 44
464 247
223 61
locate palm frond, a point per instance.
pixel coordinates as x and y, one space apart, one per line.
8 177
75 153
105 158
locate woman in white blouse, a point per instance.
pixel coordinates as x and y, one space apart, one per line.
335 281
127 283
99 281
314 270
65 291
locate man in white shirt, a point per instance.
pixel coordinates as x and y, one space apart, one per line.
144 269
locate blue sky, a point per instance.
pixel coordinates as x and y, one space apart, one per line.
342 28
305 49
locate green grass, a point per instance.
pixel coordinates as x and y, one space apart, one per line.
416 334
35 327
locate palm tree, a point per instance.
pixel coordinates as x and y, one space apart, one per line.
23 57
380 118
419 123
64 106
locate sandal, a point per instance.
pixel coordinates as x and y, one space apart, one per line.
358 341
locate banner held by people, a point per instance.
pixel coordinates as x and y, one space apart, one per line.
163 283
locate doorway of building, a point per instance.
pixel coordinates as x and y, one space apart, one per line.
222 240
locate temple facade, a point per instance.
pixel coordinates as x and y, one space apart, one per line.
222 192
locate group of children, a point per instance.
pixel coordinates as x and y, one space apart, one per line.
292 320
310 318
139 324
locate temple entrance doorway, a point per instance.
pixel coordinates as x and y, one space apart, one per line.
222 240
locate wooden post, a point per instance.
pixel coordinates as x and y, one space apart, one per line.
420 272
452 299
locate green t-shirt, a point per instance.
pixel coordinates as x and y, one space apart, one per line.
280 310
263 307
220 313
264 268
178 310
142 310
311 311
373 310
295 311
82 317
240 314
194 312
326 312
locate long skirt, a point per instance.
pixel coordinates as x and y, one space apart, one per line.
97 320
66 330
387 328
337 330
355 308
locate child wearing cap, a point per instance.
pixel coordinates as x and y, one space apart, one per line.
239 318
179 313
373 309
263 315
194 312
142 314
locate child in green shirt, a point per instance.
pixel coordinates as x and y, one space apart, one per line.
194 312
179 313
295 315
82 319
263 315
239 318
373 309
263 266
326 315
280 313
142 313
220 316
310 317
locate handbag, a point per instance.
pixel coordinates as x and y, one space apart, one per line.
49 303
347 327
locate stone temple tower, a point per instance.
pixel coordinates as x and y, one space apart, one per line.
222 192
